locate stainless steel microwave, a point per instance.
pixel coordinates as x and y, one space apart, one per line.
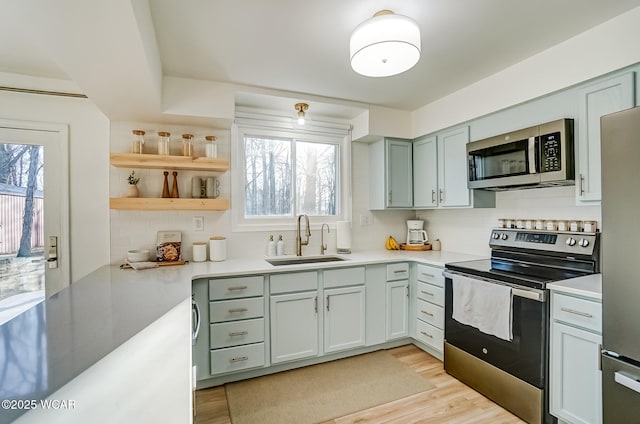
532 157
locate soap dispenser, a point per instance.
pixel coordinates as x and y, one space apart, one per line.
280 246
271 247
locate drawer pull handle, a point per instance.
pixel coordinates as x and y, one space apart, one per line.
239 359
427 275
237 310
427 313
426 292
424 333
238 333
237 288
399 271
573 311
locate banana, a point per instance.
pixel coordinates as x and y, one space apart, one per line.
388 243
391 244
396 246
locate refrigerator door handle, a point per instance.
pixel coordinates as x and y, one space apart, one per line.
627 380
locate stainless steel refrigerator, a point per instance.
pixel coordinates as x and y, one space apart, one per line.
621 266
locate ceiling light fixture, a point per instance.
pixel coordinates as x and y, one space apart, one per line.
301 108
385 45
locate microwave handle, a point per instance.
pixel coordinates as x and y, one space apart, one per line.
532 156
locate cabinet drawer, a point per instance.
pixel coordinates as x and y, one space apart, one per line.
294 282
397 271
237 358
231 288
429 274
576 311
236 333
430 293
430 335
230 310
430 313
343 277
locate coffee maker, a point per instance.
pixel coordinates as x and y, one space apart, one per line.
416 235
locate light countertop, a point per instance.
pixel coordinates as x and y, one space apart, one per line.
588 286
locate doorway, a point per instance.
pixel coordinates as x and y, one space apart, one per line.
34 224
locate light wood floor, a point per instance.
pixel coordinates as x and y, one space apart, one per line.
450 401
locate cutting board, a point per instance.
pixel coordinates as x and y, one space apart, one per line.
421 247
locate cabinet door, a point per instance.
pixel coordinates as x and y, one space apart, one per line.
575 392
605 97
452 168
344 317
294 326
397 309
399 174
425 173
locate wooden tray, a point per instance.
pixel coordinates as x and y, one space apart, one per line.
405 246
164 263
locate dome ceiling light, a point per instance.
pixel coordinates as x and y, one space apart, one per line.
385 45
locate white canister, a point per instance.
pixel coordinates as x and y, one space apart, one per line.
217 249
199 251
436 245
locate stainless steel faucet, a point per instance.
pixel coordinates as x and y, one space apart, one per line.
299 242
323 245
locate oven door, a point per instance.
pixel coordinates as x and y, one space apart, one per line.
504 161
525 355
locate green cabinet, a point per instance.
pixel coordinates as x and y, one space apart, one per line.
602 98
391 174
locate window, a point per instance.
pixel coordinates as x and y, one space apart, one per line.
285 173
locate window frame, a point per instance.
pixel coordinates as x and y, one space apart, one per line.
241 223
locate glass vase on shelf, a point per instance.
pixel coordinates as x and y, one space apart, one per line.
137 145
211 146
163 143
187 145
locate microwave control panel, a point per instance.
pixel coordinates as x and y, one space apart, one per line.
551 151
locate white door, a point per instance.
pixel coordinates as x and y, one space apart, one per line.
34 177
397 309
294 326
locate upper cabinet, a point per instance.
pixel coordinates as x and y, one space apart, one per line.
596 100
440 172
391 174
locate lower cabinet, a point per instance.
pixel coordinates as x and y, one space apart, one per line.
429 307
294 326
575 375
397 301
344 318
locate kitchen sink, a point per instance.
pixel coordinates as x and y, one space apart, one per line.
304 260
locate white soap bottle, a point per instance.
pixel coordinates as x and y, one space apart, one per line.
280 246
271 247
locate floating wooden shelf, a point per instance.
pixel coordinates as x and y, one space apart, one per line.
147 161
156 204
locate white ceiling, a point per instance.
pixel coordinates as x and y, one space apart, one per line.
292 46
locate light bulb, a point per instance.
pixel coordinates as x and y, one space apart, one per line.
301 118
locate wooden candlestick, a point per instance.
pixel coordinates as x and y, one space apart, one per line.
174 188
165 187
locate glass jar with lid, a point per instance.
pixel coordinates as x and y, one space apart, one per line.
137 145
211 146
187 144
163 143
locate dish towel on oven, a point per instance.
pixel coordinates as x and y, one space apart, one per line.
483 305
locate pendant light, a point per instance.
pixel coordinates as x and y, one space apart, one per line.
385 45
301 108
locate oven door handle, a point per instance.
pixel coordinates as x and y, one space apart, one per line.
533 294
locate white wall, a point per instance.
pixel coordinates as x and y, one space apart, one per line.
88 162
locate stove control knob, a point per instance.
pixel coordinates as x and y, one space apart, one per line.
571 241
583 242
495 236
504 236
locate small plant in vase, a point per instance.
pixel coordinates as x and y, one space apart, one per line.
133 180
